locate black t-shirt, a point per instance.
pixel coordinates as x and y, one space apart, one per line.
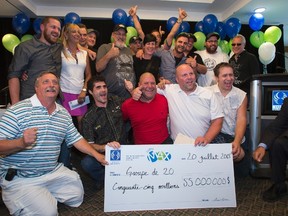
141 66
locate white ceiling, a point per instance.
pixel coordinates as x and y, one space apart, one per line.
276 13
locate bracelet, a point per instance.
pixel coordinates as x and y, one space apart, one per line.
84 90
179 21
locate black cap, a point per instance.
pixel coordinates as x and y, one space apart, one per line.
193 37
93 30
211 35
119 26
134 39
149 38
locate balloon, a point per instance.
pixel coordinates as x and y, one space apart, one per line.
232 27
184 27
257 38
210 22
170 23
72 18
36 25
220 29
21 23
131 32
119 16
26 37
272 34
266 62
267 52
224 45
199 27
10 41
199 44
256 21
130 22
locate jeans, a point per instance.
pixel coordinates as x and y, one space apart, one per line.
95 169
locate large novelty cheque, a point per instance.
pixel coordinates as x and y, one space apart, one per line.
152 177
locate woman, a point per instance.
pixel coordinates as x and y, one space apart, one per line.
148 62
75 71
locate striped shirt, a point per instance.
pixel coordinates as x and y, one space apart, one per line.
53 129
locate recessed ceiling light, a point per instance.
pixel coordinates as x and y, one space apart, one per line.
260 10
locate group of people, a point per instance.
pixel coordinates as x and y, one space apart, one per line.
153 91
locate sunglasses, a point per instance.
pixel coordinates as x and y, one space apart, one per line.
238 44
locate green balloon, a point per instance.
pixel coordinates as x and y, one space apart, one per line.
10 41
257 38
26 37
224 45
131 32
230 43
199 44
272 34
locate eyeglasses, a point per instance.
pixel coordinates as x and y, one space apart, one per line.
238 44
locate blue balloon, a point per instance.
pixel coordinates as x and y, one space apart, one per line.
185 27
36 25
210 22
130 21
170 23
119 16
232 27
72 18
220 29
256 21
21 23
199 27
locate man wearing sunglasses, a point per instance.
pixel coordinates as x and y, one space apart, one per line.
245 64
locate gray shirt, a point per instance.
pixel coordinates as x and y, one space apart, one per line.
117 69
34 57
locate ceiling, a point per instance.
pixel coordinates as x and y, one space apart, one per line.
275 14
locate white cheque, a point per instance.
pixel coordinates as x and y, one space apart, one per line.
152 177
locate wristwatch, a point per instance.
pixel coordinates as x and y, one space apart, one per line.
84 90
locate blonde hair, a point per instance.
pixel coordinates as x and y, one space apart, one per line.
68 28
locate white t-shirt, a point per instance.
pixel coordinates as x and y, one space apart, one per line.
210 61
230 103
72 72
191 114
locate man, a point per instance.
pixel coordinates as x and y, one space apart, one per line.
211 57
31 133
83 35
193 110
135 44
234 104
149 115
115 63
274 139
42 53
102 124
245 64
91 42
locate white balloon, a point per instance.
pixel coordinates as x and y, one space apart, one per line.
267 51
266 62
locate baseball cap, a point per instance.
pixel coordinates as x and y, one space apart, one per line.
134 39
118 27
211 35
93 30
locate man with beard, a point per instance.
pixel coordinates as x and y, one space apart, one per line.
193 110
211 56
102 124
42 53
148 116
114 61
31 133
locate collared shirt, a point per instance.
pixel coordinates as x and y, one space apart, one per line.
52 130
168 64
34 57
191 114
230 104
101 125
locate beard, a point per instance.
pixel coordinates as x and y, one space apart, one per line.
49 39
